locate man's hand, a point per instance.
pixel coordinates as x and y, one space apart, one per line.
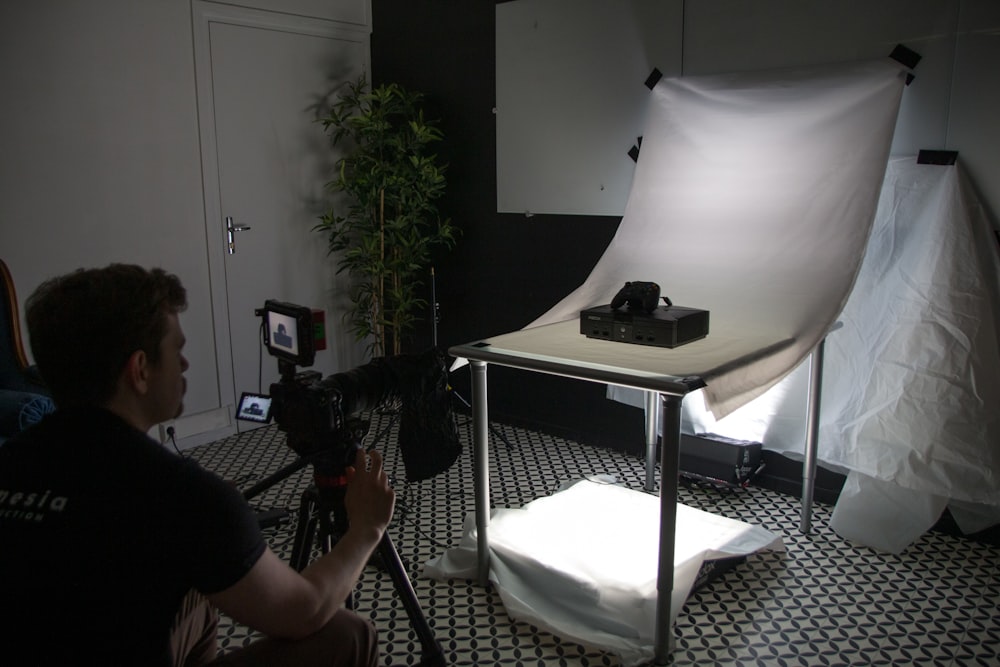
280 602
369 499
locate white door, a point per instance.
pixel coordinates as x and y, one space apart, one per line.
261 78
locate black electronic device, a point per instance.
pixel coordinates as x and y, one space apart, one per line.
667 326
637 295
254 408
719 460
288 332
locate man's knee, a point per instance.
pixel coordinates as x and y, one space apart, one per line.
347 640
193 635
354 636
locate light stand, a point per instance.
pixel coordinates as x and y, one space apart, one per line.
434 341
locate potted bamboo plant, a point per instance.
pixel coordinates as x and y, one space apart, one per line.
386 232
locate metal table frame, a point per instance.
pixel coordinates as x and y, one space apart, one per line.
809 463
671 392
663 391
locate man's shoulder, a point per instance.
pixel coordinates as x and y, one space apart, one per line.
97 443
80 420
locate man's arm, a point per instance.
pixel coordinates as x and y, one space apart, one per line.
275 599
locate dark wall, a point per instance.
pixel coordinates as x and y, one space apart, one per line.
507 269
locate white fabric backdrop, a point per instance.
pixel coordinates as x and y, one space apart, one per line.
753 198
912 380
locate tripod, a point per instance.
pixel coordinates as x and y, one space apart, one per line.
434 338
322 506
325 506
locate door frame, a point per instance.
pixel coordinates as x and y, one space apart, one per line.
203 15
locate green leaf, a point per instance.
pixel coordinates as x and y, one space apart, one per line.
384 234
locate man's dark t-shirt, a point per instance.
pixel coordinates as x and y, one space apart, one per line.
102 532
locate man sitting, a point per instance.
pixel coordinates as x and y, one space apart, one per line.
115 550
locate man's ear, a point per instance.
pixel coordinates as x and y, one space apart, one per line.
136 373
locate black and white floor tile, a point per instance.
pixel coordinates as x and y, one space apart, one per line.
823 602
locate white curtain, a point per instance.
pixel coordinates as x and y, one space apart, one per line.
912 380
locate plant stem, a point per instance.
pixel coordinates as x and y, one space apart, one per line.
380 332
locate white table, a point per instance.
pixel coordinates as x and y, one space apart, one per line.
670 374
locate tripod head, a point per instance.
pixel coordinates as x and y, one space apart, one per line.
330 464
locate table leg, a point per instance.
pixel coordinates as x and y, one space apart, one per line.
652 399
812 436
663 643
481 467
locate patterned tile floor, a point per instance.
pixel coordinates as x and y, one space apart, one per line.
823 602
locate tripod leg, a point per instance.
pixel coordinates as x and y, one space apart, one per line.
271 480
496 432
304 531
328 509
431 649
327 538
500 435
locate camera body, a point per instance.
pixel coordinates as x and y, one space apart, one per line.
637 295
319 414
307 410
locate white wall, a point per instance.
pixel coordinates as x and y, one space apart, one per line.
571 98
101 156
952 103
101 161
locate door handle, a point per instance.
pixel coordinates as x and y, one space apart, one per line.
231 229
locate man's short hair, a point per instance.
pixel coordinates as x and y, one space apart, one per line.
84 326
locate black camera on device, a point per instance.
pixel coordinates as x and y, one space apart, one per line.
638 295
319 415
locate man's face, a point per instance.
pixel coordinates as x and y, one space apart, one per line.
166 383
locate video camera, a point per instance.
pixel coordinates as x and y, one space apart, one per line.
319 414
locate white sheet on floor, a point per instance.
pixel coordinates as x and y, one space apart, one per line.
582 563
753 198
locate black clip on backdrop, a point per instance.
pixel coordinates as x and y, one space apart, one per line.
901 54
650 82
907 58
